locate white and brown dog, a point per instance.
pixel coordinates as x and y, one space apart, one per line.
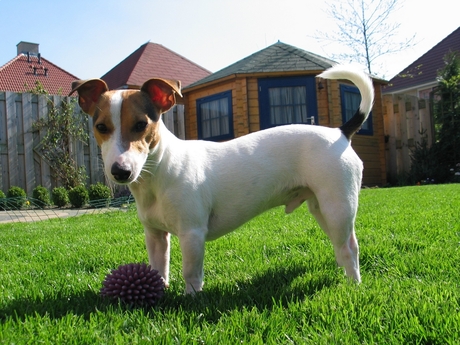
201 190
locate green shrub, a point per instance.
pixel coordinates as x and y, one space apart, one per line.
2 202
41 196
78 196
17 196
99 195
60 196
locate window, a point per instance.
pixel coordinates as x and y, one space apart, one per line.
215 117
285 101
351 98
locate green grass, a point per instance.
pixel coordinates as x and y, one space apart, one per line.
274 281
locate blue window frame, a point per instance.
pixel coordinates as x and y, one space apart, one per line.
215 117
287 100
351 98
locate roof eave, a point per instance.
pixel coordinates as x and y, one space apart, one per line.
411 88
250 75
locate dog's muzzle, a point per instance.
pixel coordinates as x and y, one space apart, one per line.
119 173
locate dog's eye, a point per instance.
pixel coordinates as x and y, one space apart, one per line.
102 128
140 126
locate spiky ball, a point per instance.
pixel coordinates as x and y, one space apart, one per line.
135 284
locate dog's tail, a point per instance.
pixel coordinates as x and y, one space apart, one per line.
364 85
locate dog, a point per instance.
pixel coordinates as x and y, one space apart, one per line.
202 190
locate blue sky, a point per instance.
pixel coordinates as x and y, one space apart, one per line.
88 38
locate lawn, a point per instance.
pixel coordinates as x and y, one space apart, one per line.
274 281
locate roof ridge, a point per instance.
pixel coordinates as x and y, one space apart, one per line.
181 56
21 71
428 51
424 69
156 59
143 47
56 66
140 50
296 51
10 62
19 56
267 60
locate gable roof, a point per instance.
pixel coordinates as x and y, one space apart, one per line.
21 73
153 60
278 57
425 69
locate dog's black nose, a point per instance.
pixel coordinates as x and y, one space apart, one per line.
119 173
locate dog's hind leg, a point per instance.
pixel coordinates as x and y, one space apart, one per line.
337 221
158 250
348 254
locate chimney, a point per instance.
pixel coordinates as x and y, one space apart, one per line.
27 47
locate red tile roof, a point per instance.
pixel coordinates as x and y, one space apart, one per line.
153 60
425 69
18 75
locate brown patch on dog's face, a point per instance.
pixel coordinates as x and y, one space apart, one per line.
139 122
102 120
131 117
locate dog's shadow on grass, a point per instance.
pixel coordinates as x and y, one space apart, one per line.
276 286
263 291
55 307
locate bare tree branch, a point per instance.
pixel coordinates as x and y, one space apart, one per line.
365 30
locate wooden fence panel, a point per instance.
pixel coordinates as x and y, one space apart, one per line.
45 170
3 142
28 142
174 120
407 119
94 166
22 164
12 139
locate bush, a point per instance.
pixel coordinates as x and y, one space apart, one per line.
60 196
424 166
18 197
42 196
78 196
99 195
2 202
122 192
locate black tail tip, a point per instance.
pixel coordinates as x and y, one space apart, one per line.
353 125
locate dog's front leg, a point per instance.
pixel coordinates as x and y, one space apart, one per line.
158 250
192 243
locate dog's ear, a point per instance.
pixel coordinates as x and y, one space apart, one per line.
88 93
162 92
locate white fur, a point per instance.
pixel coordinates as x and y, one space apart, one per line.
200 190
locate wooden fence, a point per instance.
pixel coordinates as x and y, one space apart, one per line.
406 119
21 163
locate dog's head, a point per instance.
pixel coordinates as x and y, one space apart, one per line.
125 122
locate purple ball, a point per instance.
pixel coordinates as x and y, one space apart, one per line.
135 284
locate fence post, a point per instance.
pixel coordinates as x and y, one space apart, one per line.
27 121
12 139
